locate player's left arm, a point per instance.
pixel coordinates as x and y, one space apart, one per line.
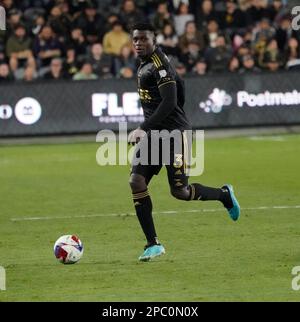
168 93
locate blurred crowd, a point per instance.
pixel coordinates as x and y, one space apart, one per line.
90 39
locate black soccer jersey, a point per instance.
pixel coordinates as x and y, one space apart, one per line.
154 72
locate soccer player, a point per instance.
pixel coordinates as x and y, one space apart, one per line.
161 93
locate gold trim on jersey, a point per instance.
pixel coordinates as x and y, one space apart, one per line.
166 83
156 60
144 94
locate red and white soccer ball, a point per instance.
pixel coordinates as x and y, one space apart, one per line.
68 249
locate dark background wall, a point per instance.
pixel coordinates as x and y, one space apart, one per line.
211 102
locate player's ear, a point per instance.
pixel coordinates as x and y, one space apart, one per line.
154 40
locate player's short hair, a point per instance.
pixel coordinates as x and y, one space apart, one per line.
143 26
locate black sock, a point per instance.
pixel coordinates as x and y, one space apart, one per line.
199 192
143 208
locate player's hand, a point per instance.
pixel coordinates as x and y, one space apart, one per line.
135 136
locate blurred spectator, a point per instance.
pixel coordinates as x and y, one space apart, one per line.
2 56
66 7
39 22
168 40
272 59
292 54
248 65
115 39
70 65
78 42
263 31
162 16
60 22
249 26
78 6
14 18
237 41
47 46
284 32
234 64
30 74
204 13
182 17
7 4
191 34
125 61
56 70
244 4
192 56
110 20
5 74
234 18
257 11
130 14
92 23
18 49
101 63
85 73
247 38
211 33
218 58
261 36
175 4
244 50
33 7
180 69
277 10
200 68
126 72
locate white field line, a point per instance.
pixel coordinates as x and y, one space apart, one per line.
267 138
155 212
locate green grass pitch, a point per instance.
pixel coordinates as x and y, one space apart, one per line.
208 256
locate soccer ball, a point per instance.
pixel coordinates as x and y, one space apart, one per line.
68 249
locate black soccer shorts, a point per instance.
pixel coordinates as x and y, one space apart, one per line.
155 151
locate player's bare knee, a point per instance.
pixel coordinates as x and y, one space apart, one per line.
180 193
137 183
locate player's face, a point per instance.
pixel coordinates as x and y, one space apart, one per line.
143 42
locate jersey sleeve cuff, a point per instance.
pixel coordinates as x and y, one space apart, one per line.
144 127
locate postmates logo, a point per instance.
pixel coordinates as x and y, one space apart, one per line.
216 101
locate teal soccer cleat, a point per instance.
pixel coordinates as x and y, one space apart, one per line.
151 252
235 211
